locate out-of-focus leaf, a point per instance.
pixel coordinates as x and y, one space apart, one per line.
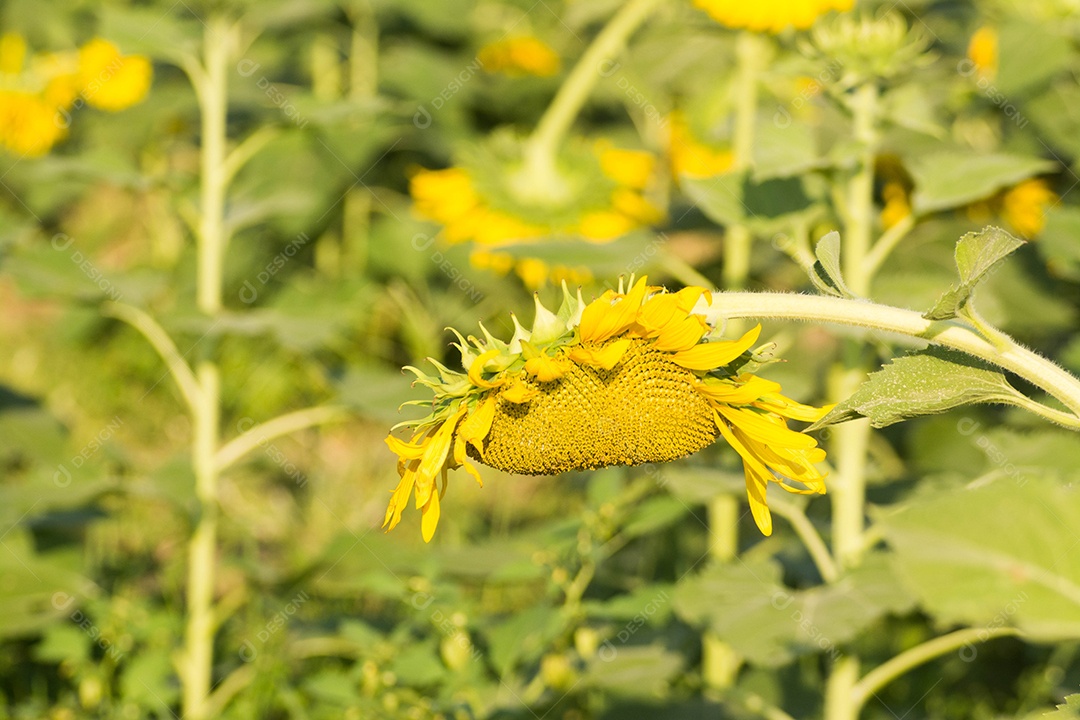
996 554
334 686
746 605
909 106
767 206
977 254
1068 710
925 384
523 636
647 604
784 151
1057 242
418 664
949 179
633 670
1029 53
654 514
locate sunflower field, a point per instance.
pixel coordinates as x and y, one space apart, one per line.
540 359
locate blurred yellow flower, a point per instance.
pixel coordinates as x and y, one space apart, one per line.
452 198
38 93
1024 206
771 16
983 51
632 377
897 205
534 272
691 158
111 81
516 56
28 125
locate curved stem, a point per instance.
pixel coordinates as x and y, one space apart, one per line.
260 434
161 342
819 551
888 671
887 243
559 116
1017 359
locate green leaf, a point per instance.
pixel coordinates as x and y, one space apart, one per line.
746 605
1030 53
993 555
1069 710
950 179
924 384
634 670
826 274
784 151
977 254
736 199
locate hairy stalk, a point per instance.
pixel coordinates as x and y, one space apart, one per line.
1015 358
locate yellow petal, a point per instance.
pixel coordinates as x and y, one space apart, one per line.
519 393
546 369
757 478
603 319
657 312
400 497
430 519
438 447
478 367
774 402
766 429
681 334
405 450
477 425
606 357
738 394
709 356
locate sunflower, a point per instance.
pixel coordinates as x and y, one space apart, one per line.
771 16
518 56
633 377
486 199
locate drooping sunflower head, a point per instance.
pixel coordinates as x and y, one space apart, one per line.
636 376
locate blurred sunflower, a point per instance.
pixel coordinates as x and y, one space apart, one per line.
518 56
38 93
771 16
690 157
534 272
492 199
982 51
632 377
1024 206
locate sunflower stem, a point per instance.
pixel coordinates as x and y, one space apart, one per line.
211 85
911 658
543 145
839 689
1015 358
853 438
751 54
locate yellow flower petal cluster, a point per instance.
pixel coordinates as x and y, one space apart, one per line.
38 95
633 377
771 16
689 156
451 198
517 56
1024 206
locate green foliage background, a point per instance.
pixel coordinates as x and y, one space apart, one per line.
581 596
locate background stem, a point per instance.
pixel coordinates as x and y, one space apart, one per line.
852 439
751 55
212 90
543 144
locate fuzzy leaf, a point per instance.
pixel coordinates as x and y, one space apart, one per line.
826 274
977 254
1069 710
924 384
